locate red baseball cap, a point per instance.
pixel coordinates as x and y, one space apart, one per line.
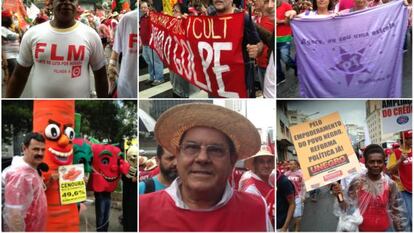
6 14
408 134
395 145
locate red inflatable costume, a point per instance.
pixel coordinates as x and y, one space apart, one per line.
107 166
55 119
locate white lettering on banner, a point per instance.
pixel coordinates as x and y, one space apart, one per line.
188 71
160 45
184 61
205 62
177 65
219 69
167 51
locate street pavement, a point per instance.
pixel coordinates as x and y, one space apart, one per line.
290 88
88 218
318 216
164 90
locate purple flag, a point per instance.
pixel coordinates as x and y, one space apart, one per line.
357 55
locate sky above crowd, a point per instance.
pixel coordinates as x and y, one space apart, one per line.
351 111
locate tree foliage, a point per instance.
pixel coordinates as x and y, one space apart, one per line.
17 117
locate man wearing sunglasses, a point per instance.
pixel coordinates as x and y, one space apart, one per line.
207 141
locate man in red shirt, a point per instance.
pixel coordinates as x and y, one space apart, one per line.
207 141
260 166
266 20
284 39
155 65
401 161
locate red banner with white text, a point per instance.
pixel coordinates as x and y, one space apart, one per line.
205 50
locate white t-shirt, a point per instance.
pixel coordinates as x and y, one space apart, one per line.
61 59
269 80
10 43
126 42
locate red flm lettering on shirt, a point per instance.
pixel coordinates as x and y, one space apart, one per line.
133 39
39 48
76 54
53 55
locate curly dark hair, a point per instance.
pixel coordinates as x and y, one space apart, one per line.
315 5
371 149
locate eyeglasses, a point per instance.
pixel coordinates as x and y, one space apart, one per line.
194 149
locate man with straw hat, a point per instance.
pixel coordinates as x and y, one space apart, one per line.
150 165
142 161
207 141
260 166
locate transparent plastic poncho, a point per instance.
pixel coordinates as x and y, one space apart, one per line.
371 206
24 207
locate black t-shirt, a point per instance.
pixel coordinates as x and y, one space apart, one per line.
284 189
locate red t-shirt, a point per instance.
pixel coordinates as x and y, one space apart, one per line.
267 24
405 170
283 29
296 178
235 177
346 4
374 210
154 172
145 30
263 187
270 200
243 212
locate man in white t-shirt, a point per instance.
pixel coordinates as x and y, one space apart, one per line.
60 52
125 42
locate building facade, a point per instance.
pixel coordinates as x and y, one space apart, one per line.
285 149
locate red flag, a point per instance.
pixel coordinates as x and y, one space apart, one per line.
17 7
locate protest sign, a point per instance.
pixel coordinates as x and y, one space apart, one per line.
324 151
204 50
396 116
352 55
72 187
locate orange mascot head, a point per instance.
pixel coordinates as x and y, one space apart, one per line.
55 119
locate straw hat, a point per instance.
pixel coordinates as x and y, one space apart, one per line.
248 163
175 121
142 160
150 164
395 145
